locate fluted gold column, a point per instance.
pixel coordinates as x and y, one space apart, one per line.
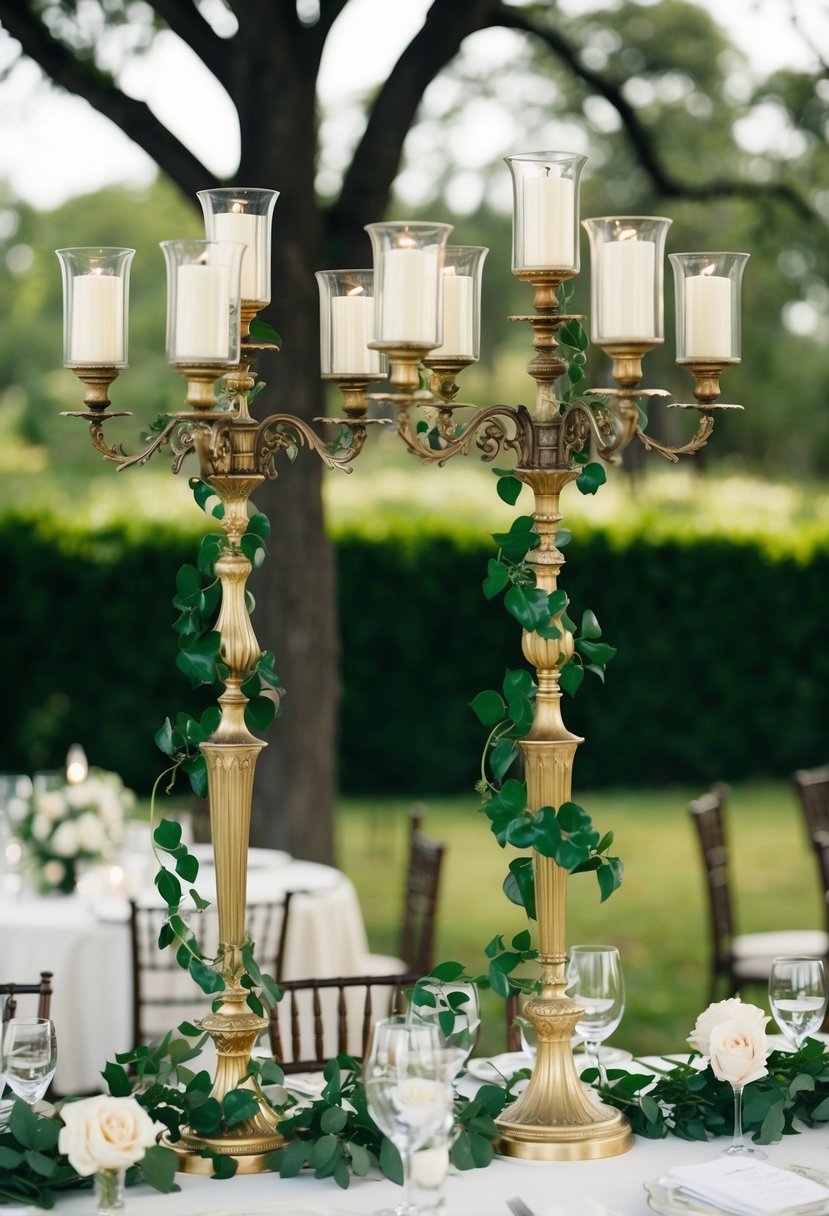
231 754
557 1117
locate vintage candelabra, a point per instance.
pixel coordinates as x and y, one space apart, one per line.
419 308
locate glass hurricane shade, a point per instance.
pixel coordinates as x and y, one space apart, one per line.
203 302
347 324
626 279
545 218
708 310
461 286
95 305
244 214
408 297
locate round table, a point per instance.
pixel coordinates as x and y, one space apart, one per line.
84 941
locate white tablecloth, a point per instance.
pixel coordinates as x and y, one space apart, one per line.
613 1187
85 942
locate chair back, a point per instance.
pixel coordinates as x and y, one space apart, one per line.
812 789
707 815
319 1019
42 990
417 939
163 994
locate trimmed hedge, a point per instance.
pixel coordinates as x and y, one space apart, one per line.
722 671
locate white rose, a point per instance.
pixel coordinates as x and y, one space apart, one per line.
738 1052
90 833
421 1102
51 804
722 1011
430 1166
54 872
65 839
104 1133
41 827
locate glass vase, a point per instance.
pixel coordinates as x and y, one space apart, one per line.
739 1146
109 1191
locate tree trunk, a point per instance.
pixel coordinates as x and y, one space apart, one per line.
295 592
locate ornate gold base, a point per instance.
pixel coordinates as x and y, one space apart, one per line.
250 1152
608 1137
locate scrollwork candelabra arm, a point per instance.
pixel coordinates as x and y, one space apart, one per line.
178 432
286 433
697 441
493 430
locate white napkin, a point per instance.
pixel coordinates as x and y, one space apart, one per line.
747 1187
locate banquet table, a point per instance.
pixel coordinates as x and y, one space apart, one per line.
84 941
612 1187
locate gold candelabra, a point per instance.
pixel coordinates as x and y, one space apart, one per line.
557 1117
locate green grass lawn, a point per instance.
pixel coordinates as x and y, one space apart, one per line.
658 919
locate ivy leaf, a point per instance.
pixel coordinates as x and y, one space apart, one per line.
496 579
117 1079
447 972
199 660
591 477
528 605
260 712
570 677
596 652
509 488
590 627
167 835
517 543
239 1105
263 332
488 707
259 524
609 876
207 978
187 867
196 769
519 885
504 754
158 1168
169 888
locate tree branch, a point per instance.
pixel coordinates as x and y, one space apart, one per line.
133 117
641 139
185 20
368 182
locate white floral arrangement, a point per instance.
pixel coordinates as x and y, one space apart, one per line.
59 829
731 1036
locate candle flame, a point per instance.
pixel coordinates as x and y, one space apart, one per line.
355 291
406 242
77 767
708 269
626 234
449 270
237 208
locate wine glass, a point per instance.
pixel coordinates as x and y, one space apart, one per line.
797 995
29 1057
595 981
407 1091
453 1009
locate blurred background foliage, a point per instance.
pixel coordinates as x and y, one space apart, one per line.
712 616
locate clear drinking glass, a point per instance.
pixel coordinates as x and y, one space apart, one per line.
30 1056
453 1009
407 1092
594 979
797 995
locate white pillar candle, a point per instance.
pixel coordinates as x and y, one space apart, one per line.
458 316
202 313
352 328
410 287
97 337
252 231
626 291
549 222
708 317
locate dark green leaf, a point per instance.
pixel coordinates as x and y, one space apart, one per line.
164 738
590 627
504 754
223 1166
158 1167
117 1079
509 488
519 885
488 707
207 978
590 478
333 1119
239 1105
168 835
390 1162
260 712
187 867
169 888
496 579
570 677
259 524
528 605
596 652
447 972
261 331
610 876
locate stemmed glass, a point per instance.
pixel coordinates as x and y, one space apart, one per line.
29 1057
407 1091
595 981
797 995
453 1009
